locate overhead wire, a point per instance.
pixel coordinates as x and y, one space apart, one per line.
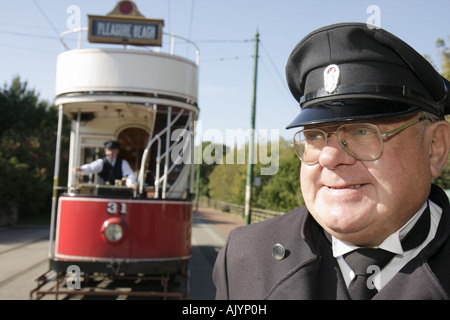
46 18
280 77
224 41
50 22
19 25
277 86
22 34
227 58
26 48
282 80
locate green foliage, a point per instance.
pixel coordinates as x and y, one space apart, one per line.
280 191
444 178
208 150
27 143
227 183
444 52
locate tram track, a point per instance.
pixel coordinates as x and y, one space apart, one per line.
23 256
21 245
18 274
12 277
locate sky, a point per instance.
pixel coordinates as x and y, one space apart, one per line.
224 32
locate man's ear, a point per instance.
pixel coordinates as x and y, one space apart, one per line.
439 148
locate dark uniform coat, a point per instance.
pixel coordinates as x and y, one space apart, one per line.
246 269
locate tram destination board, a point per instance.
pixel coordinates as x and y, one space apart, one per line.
138 31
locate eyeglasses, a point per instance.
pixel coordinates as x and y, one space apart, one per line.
364 141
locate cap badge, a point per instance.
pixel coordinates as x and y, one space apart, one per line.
331 78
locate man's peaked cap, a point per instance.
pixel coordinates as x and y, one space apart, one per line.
111 144
353 71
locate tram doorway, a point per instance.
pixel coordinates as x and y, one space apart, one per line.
132 145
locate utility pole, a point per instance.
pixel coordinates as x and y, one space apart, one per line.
251 143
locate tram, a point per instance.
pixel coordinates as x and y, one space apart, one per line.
146 99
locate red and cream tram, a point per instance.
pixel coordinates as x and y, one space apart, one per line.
146 100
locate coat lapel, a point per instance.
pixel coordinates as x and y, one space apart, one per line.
414 282
426 276
316 275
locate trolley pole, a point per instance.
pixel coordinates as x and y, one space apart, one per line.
251 143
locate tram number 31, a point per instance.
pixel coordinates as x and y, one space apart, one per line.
116 208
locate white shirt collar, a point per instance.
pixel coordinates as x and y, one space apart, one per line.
112 161
392 243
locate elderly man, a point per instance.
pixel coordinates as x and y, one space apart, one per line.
372 135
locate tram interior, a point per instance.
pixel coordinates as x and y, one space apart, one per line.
133 140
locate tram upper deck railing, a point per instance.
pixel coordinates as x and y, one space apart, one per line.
175 45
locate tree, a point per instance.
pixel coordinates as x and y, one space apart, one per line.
281 191
224 179
444 52
227 182
27 141
208 151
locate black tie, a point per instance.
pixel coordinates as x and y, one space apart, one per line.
361 287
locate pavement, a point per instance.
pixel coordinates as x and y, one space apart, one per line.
210 231
221 221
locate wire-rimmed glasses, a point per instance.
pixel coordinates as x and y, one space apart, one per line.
364 141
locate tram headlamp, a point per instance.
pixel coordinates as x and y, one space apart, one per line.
113 230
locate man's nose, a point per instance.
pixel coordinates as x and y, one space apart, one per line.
333 154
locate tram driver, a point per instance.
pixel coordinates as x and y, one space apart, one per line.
110 168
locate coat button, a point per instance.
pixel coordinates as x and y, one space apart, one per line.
278 251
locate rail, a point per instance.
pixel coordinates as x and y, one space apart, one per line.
170 51
53 283
257 214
